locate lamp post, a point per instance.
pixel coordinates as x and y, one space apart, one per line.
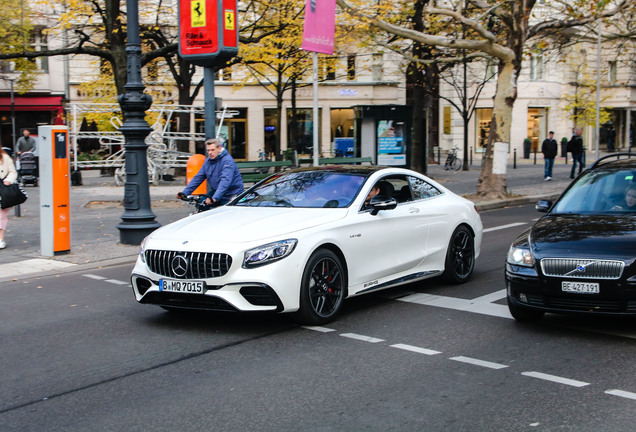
138 220
16 209
13 139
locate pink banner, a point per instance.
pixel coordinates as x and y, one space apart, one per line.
320 26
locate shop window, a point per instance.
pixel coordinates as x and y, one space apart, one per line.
303 137
484 117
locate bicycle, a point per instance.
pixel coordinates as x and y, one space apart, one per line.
196 202
452 161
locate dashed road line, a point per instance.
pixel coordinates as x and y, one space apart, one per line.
319 329
556 379
92 276
477 362
474 361
621 393
416 349
117 282
361 337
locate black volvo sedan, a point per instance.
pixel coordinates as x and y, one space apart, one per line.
581 256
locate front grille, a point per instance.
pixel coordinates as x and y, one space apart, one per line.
582 268
194 265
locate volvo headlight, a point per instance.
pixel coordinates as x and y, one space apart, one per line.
520 256
268 253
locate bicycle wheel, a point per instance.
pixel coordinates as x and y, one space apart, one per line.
456 164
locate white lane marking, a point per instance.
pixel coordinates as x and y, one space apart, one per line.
92 276
116 282
361 337
319 329
556 379
481 307
621 393
478 362
492 297
416 349
500 227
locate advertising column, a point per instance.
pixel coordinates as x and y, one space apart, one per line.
55 217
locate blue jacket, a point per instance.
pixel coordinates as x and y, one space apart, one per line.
222 174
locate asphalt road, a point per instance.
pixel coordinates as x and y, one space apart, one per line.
79 354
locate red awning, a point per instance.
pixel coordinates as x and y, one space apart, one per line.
36 103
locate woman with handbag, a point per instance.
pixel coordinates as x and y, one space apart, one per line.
9 175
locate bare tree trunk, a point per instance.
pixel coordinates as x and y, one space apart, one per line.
493 185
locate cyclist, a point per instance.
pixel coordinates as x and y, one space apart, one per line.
221 172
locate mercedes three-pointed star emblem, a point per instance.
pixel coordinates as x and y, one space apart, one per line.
179 265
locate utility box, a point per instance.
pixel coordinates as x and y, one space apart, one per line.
55 209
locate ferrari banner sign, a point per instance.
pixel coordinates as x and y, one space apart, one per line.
207 30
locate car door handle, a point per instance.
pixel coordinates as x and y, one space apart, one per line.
414 210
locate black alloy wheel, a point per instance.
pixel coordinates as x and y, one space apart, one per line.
323 288
460 256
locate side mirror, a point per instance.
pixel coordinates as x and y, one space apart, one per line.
382 202
543 205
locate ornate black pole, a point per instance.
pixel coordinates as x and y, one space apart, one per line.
138 220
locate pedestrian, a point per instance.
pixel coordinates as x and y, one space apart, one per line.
25 143
611 136
221 172
9 175
575 146
549 149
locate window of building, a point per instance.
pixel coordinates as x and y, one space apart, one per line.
301 134
39 42
227 74
233 132
271 131
612 72
351 67
328 68
376 68
484 117
536 67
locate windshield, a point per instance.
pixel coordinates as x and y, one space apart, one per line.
611 191
309 189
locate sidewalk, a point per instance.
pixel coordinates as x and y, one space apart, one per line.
96 210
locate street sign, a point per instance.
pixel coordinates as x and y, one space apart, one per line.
208 31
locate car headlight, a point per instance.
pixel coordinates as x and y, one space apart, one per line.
520 256
268 253
142 250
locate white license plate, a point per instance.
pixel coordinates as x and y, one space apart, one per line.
188 287
580 287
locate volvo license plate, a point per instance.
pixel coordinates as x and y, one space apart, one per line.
580 287
188 287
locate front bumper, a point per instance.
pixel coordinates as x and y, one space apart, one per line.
527 289
240 290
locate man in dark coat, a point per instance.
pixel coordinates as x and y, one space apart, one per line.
549 149
575 146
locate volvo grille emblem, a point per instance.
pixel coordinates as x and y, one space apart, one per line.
179 266
581 268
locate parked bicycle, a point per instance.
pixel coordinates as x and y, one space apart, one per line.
452 161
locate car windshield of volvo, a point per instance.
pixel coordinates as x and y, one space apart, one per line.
600 192
311 189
